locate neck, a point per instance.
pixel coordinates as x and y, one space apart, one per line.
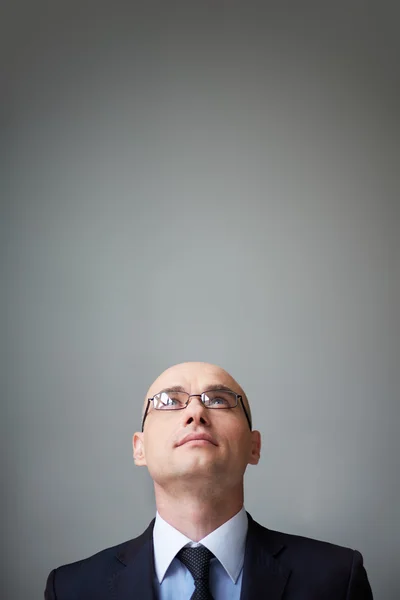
197 515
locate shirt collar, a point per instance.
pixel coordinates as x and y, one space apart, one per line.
227 543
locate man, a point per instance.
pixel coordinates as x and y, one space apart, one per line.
196 441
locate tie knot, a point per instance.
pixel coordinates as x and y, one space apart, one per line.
197 561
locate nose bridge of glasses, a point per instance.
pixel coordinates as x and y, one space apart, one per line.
199 396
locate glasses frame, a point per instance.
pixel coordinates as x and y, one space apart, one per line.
238 398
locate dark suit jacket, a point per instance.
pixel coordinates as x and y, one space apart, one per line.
277 566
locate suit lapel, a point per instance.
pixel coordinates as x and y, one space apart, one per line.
134 576
264 575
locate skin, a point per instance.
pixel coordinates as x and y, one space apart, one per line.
198 484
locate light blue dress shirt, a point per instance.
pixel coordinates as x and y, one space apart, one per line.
172 579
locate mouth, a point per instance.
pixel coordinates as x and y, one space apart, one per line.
197 439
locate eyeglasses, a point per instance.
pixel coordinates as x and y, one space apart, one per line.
214 399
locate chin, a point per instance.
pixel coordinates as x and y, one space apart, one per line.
199 466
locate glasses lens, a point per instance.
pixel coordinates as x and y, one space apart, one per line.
170 400
219 399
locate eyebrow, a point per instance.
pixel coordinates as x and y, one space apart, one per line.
210 388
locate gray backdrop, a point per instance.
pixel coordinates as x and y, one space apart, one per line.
211 182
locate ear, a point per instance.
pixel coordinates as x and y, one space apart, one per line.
138 449
255 447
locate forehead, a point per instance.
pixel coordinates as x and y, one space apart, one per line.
193 377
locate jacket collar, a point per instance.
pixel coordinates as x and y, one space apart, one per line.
263 570
134 575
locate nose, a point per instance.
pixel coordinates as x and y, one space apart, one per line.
196 412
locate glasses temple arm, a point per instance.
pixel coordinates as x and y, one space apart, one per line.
245 412
146 411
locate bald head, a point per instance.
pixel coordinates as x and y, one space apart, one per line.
195 378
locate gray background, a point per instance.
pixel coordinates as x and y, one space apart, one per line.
215 181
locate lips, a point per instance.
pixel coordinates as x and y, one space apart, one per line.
195 437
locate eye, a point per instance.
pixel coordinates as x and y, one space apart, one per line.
168 401
171 401
218 401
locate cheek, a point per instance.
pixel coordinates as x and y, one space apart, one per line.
157 443
239 441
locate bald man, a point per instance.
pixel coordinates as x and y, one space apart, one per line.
196 442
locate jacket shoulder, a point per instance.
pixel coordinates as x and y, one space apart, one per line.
93 570
319 568
303 543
